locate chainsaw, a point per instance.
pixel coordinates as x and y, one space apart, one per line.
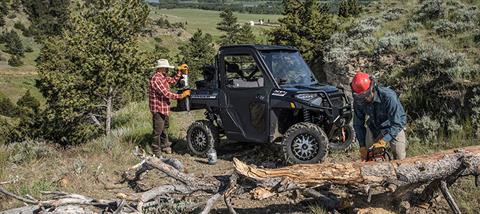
378 154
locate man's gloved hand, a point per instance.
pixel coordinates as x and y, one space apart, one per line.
380 144
185 93
363 153
183 68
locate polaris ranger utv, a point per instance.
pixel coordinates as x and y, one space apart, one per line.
268 94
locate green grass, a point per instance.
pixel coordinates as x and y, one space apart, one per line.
14 85
207 20
34 189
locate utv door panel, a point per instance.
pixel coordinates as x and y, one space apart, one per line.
245 118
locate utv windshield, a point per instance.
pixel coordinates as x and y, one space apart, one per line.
288 68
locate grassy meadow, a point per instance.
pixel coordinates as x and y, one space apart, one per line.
207 20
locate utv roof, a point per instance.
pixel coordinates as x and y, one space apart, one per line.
261 47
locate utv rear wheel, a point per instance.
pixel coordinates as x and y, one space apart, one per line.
342 138
201 136
305 143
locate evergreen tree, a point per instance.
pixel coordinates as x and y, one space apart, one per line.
305 25
14 44
197 52
4 8
16 5
90 68
7 108
48 17
229 26
234 32
348 8
2 20
15 61
28 102
245 35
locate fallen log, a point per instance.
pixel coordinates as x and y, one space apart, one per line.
438 170
395 176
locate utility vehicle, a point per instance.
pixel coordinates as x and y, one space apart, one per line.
268 94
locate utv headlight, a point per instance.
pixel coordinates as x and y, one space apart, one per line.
306 97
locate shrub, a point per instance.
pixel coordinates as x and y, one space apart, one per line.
435 58
412 26
7 108
13 43
393 43
5 129
364 27
28 102
158 39
15 61
447 28
476 37
430 10
19 25
464 71
426 128
28 49
453 126
475 110
339 56
393 14
24 152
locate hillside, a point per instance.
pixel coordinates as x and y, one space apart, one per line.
433 63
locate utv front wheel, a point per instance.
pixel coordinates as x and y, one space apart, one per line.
201 136
305 143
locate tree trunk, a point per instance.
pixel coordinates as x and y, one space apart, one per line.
388 176
109 104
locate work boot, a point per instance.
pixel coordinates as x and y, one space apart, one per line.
157 153
363 153
167 150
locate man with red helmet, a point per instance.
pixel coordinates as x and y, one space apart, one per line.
379 117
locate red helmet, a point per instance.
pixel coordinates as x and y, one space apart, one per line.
361 82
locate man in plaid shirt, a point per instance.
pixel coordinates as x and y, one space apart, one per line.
159 102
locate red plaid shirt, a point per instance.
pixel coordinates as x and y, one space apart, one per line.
159 94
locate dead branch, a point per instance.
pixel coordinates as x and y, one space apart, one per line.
439 170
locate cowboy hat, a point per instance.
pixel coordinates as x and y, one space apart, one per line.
163 63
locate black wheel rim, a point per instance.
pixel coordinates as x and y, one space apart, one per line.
305 147
199 140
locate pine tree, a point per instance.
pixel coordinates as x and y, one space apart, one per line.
305 25
343 9
2 20
4 8
14 44
48 17
229 26
197 52
28 102
90 68
16 5
15 61
348 8
245 35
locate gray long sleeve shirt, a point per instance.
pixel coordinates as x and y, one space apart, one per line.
386 116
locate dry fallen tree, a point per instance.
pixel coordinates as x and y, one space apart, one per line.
436 171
